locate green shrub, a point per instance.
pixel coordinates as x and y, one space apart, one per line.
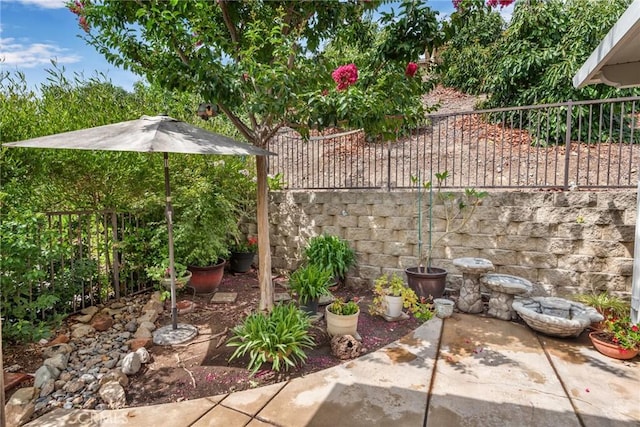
331 253
279 337
310 282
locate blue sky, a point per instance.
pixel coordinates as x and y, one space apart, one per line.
33 32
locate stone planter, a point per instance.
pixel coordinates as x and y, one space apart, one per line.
181 282
338 324
443 307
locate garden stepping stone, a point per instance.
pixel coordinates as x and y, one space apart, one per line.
281 296
224 297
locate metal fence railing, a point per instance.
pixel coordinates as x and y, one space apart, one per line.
586 144
94 259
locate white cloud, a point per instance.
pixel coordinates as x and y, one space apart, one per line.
44 4
33 55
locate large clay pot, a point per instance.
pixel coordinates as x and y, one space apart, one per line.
611 350
206 279
338 324
427 283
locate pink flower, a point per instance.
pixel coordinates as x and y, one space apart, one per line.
325 92
412 67
492 3
345 76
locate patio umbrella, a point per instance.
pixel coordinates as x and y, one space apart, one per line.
149 135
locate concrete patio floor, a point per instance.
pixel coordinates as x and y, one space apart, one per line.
468 370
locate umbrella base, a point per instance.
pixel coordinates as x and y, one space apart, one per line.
169 336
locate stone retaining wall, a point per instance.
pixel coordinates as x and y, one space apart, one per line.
563 241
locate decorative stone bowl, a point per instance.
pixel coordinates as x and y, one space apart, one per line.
556 316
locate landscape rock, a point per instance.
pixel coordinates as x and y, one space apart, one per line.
82 331
346 347
60 339
148 326
47 388
84 318
131 363
45 373
112 393
58 361
73 386
131 326
102 322
142 332
56 349
145 357
116 375
137 343
20 406
89 310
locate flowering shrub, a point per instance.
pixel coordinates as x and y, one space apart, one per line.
412 67
250 245
622 332
345 76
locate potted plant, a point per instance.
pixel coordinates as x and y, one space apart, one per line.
242 254
310 282
201 232
161 274
619 338
331 253
279 337
342 318
391 295
605 304
426 280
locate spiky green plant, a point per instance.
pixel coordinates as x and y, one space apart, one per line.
279 337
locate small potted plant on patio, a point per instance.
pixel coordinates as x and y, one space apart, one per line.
279 337
342 318
161 274
619 338
310 282
426 280
242 254
331 253
605 304
391 295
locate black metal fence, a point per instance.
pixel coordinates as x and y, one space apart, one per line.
587 144
98 256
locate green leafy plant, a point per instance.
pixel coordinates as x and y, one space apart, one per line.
392 285
342 308
331 253
279 337
457 211
605 304
249 245
423 310
622 332
310 282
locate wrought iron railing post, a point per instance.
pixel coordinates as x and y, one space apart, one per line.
567 143
389 165
116 258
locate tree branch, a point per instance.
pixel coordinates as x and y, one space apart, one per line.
227 21
243 128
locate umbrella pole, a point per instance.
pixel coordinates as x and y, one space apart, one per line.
169 215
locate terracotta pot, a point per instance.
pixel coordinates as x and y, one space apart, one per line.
611 350
206 279
427 283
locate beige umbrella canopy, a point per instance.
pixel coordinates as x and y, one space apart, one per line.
149 135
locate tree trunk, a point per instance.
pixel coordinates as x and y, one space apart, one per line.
264 246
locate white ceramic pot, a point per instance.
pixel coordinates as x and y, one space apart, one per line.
393 306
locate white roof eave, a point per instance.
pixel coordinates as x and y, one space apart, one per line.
616 60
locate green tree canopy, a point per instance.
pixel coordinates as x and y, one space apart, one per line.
260 62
